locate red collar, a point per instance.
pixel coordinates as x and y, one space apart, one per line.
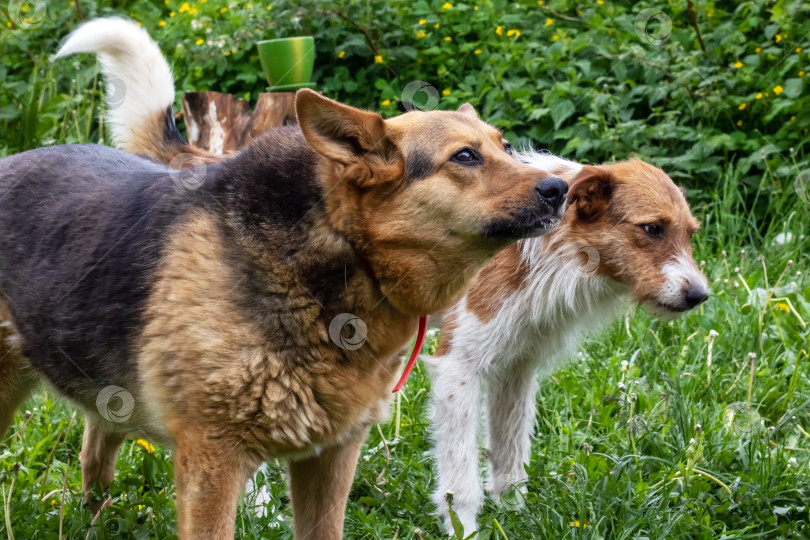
420 335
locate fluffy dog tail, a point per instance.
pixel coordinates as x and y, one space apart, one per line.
140 89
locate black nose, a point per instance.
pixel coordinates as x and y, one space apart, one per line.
695 296
552 190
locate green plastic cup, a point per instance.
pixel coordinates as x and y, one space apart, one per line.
287 62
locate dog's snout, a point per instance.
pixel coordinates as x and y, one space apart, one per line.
552 190
694 296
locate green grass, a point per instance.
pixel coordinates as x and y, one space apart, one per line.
639 437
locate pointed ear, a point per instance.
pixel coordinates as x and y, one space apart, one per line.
590 192
469 110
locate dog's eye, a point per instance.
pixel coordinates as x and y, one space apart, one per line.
466 156
653 230
508 148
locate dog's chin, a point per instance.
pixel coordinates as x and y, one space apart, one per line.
664 311
532 222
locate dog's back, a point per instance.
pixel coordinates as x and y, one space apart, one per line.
80 223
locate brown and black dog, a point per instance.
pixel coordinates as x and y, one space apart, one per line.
203 318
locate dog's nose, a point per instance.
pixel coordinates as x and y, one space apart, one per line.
552 190
695 296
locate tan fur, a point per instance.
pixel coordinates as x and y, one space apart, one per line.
499 279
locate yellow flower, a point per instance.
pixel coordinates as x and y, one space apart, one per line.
600 2
420 35
710 13
171 14
446 92
739 122
801 74
269 6
386 103
448 38
233 51
140 507
203 1
53 501
166 2
499 30
193 11
759 95
743 106
792 118
777 89
778 37
539 2
798 49
477 51
436 25
783 307
549 21
422 21
378 59
447 5
738 65
184 7
576 523
72 3
138 23
143 443
341 54
8 23
513 32
476 8
226 53
555 37
250 6
200 41
162 23
223 10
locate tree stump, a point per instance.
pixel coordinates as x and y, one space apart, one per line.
221 123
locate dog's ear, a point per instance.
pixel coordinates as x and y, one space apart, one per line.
468 110
351 137
590 192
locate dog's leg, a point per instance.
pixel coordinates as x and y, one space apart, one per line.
210 473
99 450
320 487
511 404
456 396
16 382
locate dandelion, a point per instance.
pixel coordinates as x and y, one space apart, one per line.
514 32
250 6
136 22
798 49
448 38
555 37
778 89
576 522
801 74
738 65
162 23
759 95
792 118
436 26
758 50
422 21
269 7
223 10
193 11
378 59
539 2
420 35
600 2
341 54
710 13
477 51
386 103
476 8
743 106
549 21
778 37
185 7
783 307
447 5
140 507
8 23
446 92
171 14
200 41
145 445
499 30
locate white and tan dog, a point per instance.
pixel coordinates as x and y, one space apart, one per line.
625 236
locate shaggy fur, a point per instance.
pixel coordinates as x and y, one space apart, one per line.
531 305
205 306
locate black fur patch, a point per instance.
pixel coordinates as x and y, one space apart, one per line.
418 166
